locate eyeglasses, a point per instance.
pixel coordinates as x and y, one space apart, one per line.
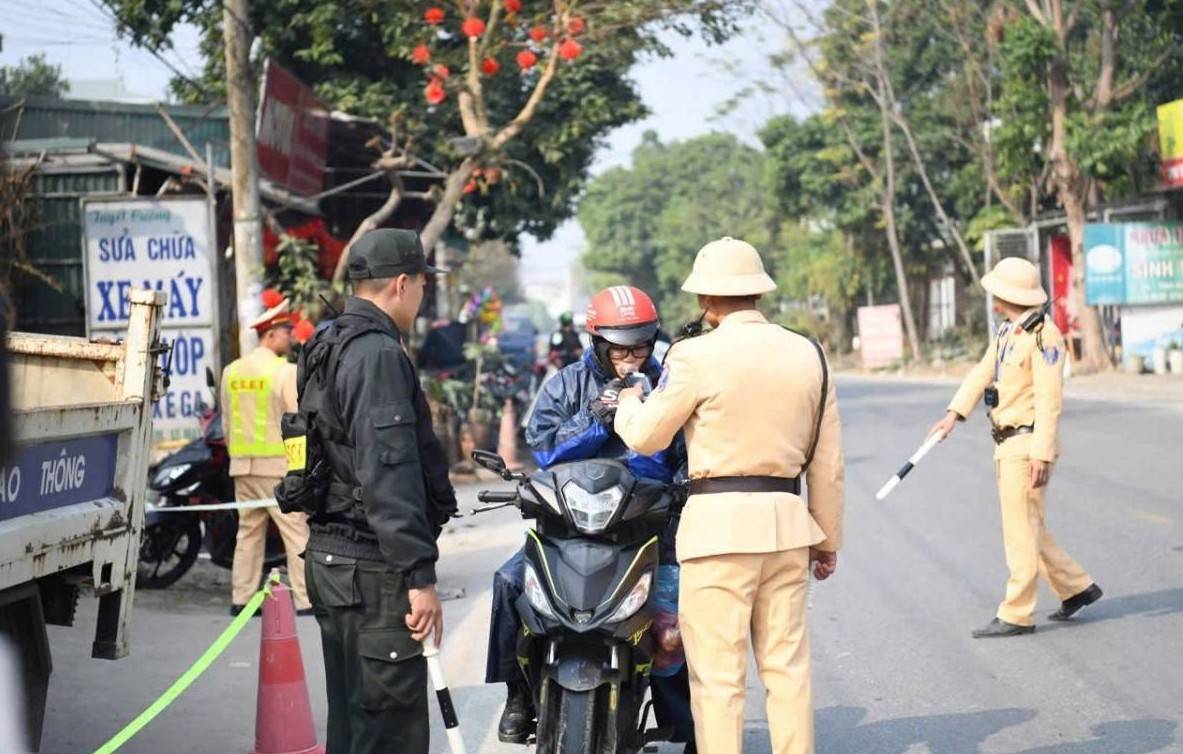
637 352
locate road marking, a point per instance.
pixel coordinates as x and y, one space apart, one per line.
1156 518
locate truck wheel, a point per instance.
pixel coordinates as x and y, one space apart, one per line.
168 550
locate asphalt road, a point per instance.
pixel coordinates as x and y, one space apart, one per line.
896 671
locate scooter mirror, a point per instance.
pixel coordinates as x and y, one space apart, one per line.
490 461
210 381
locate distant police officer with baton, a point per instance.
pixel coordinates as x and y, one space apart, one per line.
1021 380
364 462
757 405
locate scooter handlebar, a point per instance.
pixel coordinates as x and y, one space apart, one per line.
492 496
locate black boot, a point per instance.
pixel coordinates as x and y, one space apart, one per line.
1072 605
517 721
998 628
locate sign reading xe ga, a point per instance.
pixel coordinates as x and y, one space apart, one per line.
293 137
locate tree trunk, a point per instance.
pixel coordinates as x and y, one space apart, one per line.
445 210
893 240
1094 356
1072 192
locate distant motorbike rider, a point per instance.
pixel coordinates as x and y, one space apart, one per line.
565 345
572 421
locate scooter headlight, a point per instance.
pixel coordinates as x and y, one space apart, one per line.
591 511
635 599
537 595
168 475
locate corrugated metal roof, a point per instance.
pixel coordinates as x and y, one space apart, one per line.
50 118
55 248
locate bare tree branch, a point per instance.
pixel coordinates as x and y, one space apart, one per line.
1033 7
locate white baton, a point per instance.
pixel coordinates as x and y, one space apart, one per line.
448 710
894 482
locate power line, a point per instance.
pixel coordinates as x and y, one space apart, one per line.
153 51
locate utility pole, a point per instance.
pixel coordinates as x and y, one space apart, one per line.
244 164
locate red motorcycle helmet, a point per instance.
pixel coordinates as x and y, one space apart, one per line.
622 315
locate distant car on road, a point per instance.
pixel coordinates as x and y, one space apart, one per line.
518 338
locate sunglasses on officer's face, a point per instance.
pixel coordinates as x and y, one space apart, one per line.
637 352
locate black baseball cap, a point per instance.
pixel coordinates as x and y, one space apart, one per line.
387 253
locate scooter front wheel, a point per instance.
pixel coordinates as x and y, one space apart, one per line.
168 549
578 723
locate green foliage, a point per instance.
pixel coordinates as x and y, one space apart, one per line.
357 55
645 223
296 276
994 217
1113 144
33 77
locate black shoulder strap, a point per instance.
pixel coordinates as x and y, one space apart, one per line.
320 362
821 404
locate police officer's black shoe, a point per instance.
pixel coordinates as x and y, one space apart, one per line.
517 721
998 628
1073 605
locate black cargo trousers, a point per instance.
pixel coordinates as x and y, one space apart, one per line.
375 673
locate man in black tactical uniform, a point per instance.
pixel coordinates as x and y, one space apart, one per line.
372 551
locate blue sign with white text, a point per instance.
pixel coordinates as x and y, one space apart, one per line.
56 474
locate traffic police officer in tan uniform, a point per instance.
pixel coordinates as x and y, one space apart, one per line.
1021 379
256 391
754 399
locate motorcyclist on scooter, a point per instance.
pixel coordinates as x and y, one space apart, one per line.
565 345
572 421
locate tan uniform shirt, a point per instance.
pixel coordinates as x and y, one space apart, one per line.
1030 388
260 362
747 394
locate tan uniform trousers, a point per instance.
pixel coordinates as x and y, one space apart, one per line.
250 548
1031 551
724 599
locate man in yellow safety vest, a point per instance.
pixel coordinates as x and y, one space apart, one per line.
256 391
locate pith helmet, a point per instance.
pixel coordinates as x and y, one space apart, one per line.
1016 281
728 267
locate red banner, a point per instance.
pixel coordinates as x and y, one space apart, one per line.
293 133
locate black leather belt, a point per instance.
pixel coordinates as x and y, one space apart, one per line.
718 484
1002 434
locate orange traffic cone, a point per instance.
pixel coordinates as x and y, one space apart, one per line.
283 720
507 436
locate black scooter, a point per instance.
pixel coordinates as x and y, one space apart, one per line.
196 474
590 564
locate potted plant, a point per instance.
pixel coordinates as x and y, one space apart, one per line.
483 410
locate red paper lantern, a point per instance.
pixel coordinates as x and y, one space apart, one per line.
420 55
441 71
513 6
473 27
434 15
434 92
570 49
272 298
470 187
527 60
490 67
576 26
538 33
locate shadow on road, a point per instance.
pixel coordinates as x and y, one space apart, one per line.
1148 605
840 730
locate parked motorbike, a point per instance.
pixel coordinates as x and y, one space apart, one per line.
196 474
586 607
